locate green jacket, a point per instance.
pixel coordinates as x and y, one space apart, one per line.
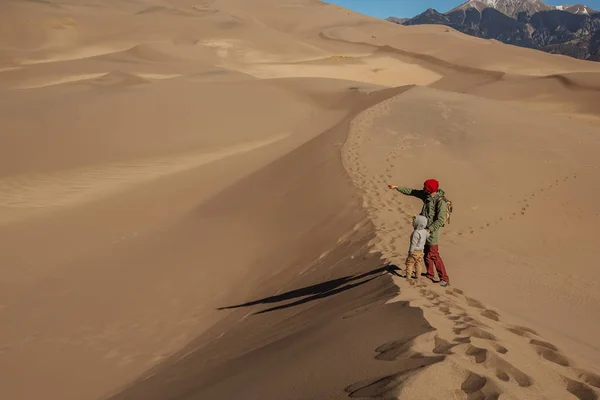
434 210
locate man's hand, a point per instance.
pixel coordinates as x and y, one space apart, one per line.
427 229
392 186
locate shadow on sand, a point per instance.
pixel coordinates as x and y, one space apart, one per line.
319 291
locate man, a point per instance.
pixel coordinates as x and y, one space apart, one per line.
434 209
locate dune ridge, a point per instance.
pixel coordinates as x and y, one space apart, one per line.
470 334
113 77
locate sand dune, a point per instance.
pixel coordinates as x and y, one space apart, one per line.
495 219
169 116
115 77
76 55
6 69
418 41
146 52
58 81
485 355
24 195
118 79
195 206
158 76
384 71
164 10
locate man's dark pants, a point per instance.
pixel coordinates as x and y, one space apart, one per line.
433 259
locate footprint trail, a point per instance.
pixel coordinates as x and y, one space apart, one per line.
478 354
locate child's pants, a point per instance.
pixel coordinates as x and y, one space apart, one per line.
414 259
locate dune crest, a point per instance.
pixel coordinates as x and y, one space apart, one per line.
464 326
61 80
118 79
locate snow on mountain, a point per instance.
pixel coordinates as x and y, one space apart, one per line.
577 9
526 23
507 7
514 7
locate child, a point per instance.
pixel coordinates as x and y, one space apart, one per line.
417 247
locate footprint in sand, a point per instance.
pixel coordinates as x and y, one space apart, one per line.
491 314
589 378
500 349
445 309
478 354
580 389
462 340
429 295
504 371
546 350
543 344
479 387
521 331
442 346
468 322
474 303
551 355
474 331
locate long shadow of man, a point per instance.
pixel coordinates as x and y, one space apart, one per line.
319 291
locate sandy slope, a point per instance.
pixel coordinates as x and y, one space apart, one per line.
165 163
516 174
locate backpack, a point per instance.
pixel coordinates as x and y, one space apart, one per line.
449 209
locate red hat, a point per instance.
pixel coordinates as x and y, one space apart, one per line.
431 185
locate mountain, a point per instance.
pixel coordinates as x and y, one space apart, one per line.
577 9
569 30
508 7
397 20
430 16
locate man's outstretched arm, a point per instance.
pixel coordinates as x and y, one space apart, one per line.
408 191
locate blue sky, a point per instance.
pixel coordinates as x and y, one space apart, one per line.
410 8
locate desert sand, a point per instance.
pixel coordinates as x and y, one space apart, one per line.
194 205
